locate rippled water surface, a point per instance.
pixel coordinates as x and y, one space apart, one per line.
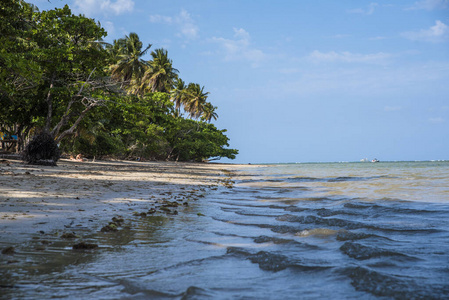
294 231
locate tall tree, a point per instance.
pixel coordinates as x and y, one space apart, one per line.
209 112
129 67
161 75
63 49
178 94
195 100
20 74
68 52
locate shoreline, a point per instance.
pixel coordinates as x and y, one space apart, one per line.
86 195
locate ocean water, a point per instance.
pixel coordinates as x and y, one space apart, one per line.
287 231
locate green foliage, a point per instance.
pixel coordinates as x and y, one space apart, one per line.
102 145
198 141
54 69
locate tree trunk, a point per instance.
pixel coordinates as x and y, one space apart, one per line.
66 116
71 130
49 105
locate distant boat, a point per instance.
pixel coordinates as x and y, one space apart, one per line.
375 160
364 160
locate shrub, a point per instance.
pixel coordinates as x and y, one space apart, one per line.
41 150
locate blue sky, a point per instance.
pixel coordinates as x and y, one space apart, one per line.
303 81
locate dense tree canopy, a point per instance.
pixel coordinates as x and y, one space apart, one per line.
98 99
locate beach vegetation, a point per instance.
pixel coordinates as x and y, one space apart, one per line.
41 150
59 79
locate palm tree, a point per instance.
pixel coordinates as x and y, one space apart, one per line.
130 67
195 100
178 94
160 76
209 112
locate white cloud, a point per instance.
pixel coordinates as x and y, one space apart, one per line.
240 48
188 29
429 5
110 28
348 57
368 11
161 19
437 120
377 38
185 23
289 70
93 7
392 108
340 36
437 33
397 81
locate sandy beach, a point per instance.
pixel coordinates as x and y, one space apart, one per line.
86 195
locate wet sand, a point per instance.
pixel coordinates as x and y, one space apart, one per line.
86 195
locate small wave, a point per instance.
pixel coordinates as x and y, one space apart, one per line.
194 292
361 252
324 212
268 239
303 179
293 208
283 229
391 208
348 225
310 219
386 285
140 290
356 178
272 261
345 235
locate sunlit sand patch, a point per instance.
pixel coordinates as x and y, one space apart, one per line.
317 232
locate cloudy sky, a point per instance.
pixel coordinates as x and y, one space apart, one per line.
302 81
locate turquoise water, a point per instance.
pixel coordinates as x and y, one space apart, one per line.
291 231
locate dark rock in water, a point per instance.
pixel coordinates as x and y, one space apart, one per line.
170 204
165 209
394 287
68 236
9 251
110 227
270 261
362 252
267 261
118 220
267 239
344 235
284 229
84 246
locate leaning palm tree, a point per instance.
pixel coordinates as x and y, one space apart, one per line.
178 94
195 100
160 76
130 67
209 112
